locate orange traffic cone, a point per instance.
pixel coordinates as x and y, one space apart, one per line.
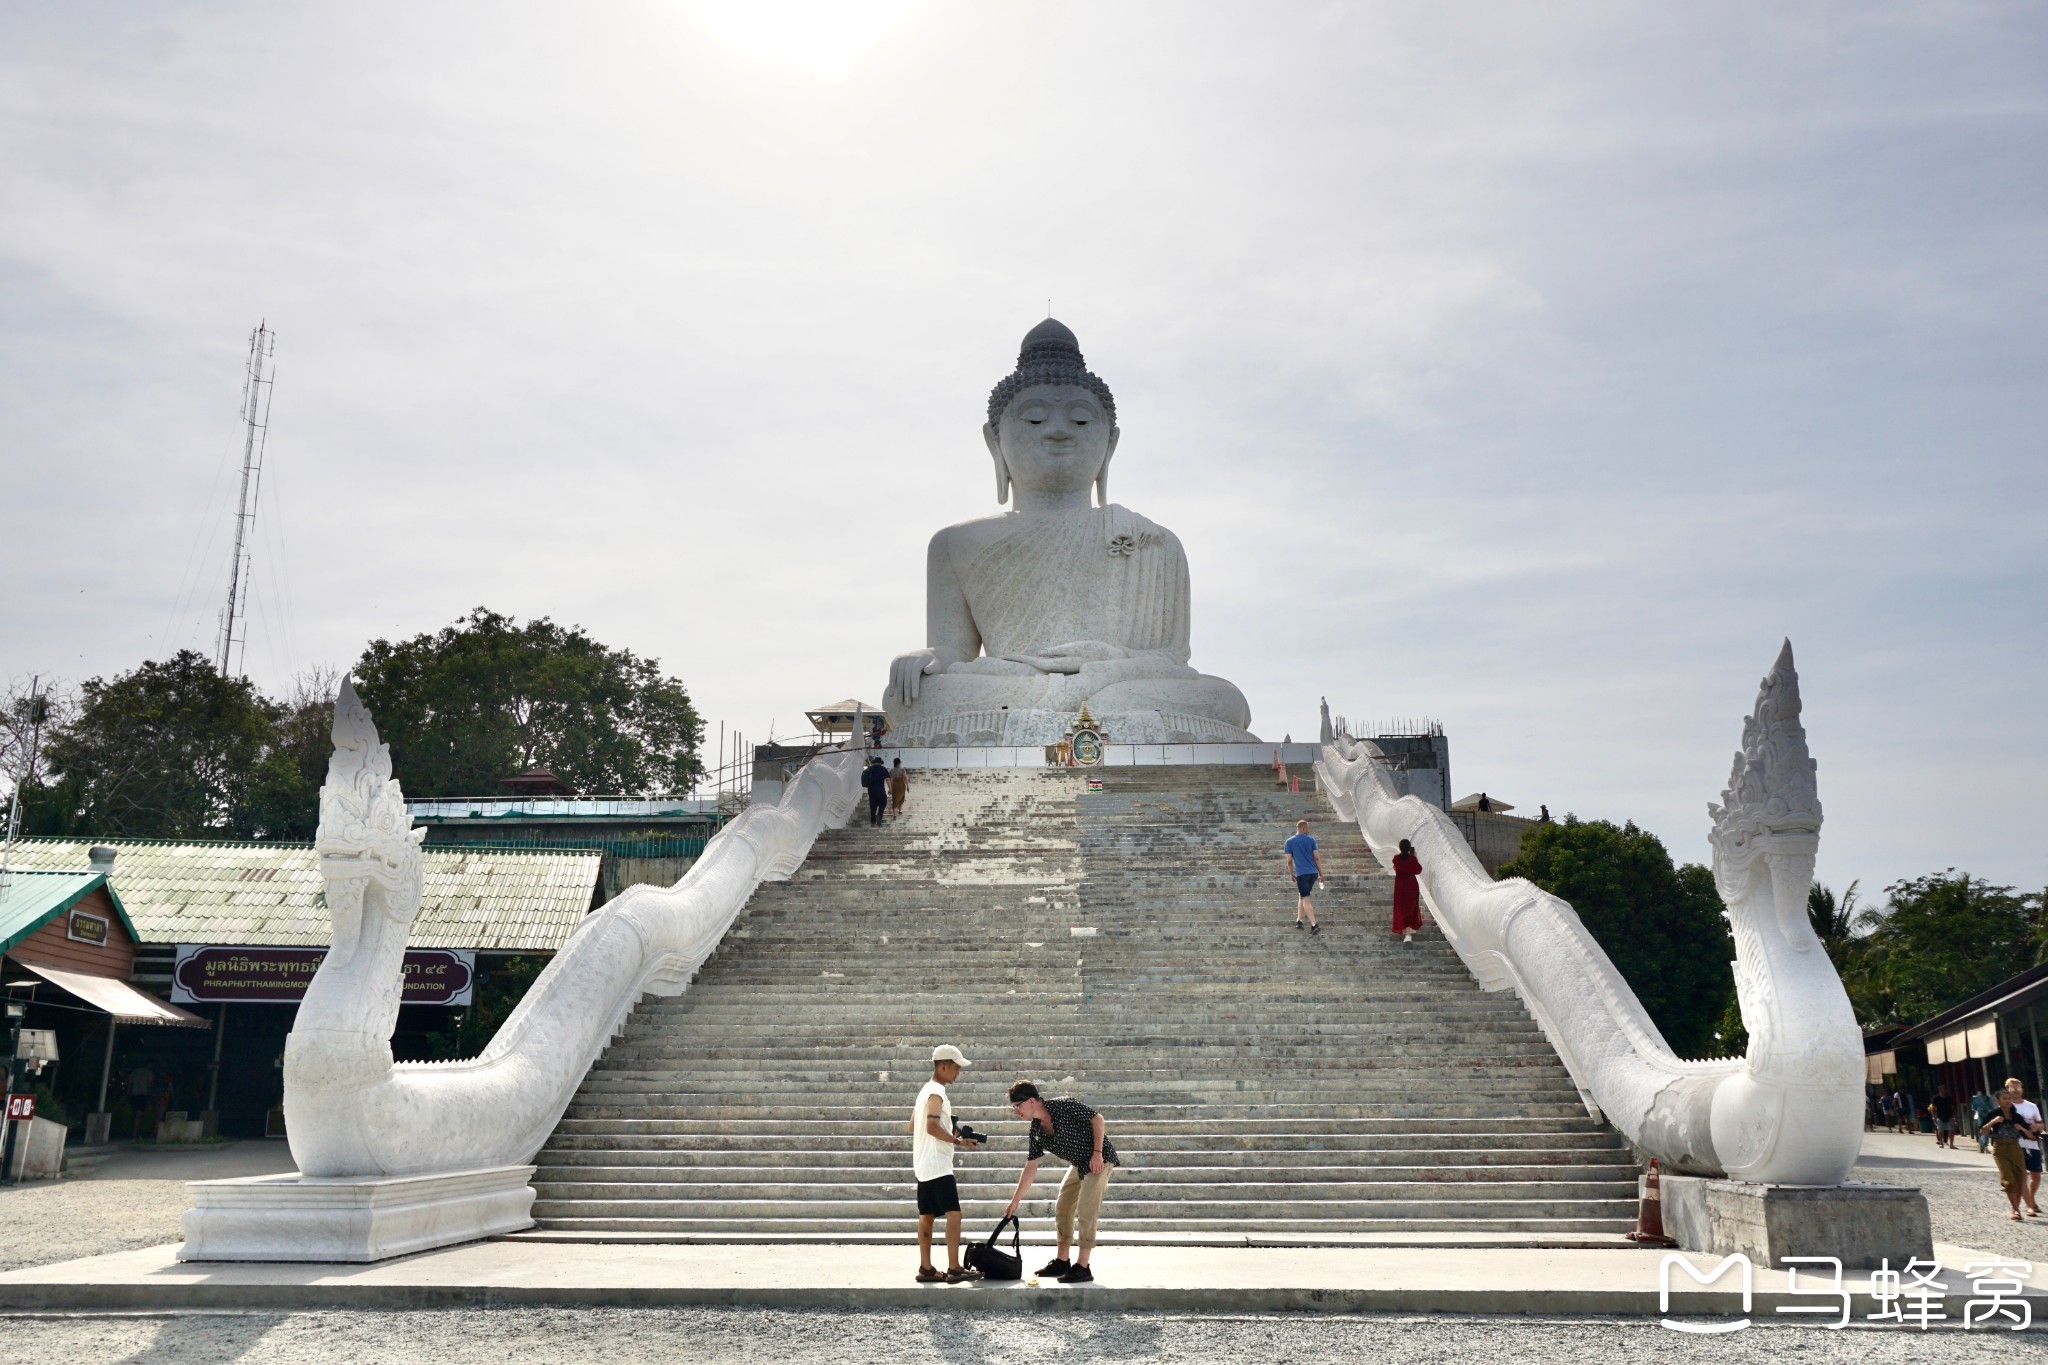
1650 1213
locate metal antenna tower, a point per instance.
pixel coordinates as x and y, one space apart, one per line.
255 436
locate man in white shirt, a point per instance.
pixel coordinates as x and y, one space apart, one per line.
932 1141
2030 1147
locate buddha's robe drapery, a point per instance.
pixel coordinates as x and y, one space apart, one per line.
1096 576
1099 573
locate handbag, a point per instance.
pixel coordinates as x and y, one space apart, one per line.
991 1260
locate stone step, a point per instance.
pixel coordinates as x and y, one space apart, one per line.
1285 1117
774 1147
1261 1081
1204 1210
827 1088
1140 1169
907 1062
1228 1134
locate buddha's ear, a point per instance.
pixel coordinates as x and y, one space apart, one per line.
995 450
1102 474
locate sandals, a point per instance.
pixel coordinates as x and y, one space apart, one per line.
928 1275
962 1275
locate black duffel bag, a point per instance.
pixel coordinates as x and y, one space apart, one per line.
991 1260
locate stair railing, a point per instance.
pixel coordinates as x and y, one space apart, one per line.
351 1111
1791 1110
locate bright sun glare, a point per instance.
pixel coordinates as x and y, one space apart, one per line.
822 36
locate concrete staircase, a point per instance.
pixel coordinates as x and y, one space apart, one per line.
1133 946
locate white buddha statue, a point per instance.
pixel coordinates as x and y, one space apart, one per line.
1058 602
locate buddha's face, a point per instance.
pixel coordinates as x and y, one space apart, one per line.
1054 438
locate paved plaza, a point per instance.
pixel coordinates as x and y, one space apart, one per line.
126 1211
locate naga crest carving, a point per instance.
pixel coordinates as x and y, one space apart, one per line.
364 829
1771 788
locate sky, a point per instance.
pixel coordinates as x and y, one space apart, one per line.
1532 369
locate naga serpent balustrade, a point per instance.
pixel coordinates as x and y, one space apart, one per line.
351 1111
1788 1112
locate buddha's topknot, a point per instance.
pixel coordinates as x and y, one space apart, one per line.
1051 354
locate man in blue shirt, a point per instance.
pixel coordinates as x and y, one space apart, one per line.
1305 865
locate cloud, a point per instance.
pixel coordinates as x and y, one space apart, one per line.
1531 368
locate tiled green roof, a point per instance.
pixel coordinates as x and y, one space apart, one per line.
270 895
33 898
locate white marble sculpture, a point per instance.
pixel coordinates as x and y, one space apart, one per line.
1059 602
1791 1110
353 1115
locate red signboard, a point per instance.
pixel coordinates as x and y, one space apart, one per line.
21 1108
279 976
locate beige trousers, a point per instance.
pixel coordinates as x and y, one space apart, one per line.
1080 1197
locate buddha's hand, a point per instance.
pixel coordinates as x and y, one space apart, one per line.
1069 657
907 671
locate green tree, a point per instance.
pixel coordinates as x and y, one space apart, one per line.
485 698
1938 940
497 993
169 751
285 791
1661 925
1834 921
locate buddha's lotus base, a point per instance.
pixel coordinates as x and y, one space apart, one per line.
1026 726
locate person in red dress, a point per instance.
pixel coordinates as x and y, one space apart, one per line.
1407 892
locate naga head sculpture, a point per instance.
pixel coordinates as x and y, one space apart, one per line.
365 838
1767 823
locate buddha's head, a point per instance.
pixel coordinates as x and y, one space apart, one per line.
1051 424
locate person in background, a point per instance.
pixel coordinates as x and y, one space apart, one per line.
2030 1142
2003 1130
1305 865
1407 892
1981 1109
1943 1111
876 779
899 787
141 1082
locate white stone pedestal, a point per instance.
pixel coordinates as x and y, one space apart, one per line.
301 1218
1858 1224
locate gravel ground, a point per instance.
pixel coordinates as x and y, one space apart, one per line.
136 1199
1964 1203
781 1338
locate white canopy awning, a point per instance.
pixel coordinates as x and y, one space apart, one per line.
117 998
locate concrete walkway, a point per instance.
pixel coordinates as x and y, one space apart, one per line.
1909 1150
1327 1280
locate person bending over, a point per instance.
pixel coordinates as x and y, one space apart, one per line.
1074 1133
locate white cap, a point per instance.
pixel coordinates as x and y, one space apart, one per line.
946 1052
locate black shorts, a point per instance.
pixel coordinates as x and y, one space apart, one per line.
1305 884
2032 1156
939 1196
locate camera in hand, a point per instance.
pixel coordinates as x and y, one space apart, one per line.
967 1134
